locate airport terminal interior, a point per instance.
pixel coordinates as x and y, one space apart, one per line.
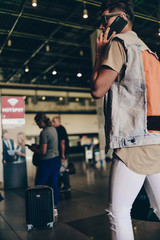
47 49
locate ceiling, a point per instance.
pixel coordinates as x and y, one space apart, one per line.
54 36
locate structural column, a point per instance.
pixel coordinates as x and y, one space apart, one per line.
99 102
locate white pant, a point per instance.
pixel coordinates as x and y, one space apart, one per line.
124 186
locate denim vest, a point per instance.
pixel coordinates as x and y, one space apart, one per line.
125 104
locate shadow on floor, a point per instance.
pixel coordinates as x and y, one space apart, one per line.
93 227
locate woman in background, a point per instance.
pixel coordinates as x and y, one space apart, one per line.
21 151
48 169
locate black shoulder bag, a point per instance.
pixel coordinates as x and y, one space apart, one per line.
36 159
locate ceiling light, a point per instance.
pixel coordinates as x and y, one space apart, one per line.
77 99
34 3
60 98
54 72
85 13
79 74
26 69
43 98
81 52
47 48
159 32
9 43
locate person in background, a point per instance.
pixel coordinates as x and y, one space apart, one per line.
8 148
126 74
63 147
21 151
48 170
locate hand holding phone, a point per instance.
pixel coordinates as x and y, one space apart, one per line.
117 26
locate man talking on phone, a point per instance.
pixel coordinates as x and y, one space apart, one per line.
127 75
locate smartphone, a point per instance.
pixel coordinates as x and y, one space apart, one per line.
27 145
117 26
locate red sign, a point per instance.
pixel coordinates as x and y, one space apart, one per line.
12 107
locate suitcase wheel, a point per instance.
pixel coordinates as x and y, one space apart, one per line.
50 225
29 227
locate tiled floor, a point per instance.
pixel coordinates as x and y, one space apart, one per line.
81 213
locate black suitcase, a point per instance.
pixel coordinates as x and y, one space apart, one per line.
39 207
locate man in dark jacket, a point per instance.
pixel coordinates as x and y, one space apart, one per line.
63 147
8 148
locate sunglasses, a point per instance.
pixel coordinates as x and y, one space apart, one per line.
105 18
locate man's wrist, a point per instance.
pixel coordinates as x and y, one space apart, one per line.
98 56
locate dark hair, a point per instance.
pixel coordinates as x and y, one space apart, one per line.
4 131
123 5
42 116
